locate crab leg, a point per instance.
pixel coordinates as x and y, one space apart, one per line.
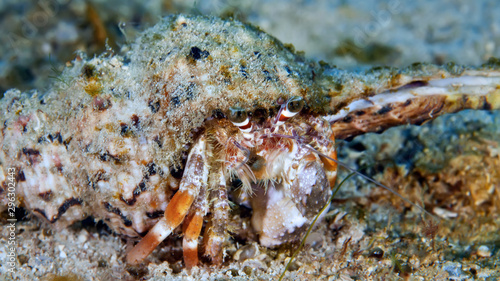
329 165
194 179
215 233
192 231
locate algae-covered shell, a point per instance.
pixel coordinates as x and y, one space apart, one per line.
108 139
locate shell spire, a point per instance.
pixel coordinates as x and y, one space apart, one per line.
386 98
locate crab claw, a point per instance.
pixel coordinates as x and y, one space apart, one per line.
284 211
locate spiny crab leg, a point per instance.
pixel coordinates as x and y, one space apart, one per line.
216 231
195 178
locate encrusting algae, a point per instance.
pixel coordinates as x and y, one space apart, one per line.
205 118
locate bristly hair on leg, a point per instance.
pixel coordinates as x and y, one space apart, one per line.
266 183
246 176
242 171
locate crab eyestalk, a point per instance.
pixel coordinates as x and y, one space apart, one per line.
239 117
292 107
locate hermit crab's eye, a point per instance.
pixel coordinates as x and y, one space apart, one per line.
237 115
295 104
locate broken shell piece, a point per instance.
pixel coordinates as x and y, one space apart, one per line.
247 252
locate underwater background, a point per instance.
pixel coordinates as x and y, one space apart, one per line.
453 161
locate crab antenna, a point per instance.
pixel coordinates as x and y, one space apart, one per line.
278 116
245 150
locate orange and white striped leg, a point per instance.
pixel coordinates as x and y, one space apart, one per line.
194 179
192 229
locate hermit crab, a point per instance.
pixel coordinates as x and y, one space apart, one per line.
201 112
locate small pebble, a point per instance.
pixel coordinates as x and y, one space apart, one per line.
454 269
484 252
82 237
376 253
315 240
62 255
444 213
